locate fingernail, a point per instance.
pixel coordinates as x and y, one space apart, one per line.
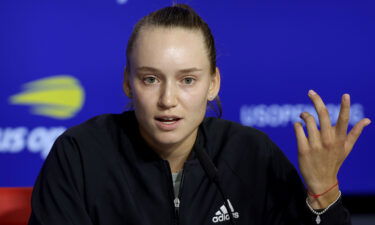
346 97
311 92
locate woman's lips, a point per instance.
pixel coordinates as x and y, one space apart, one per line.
168 123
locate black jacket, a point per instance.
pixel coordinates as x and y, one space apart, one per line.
102 173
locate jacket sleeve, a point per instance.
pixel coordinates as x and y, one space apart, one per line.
58 195
287 194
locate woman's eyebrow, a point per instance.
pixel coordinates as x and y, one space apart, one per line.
190 70
147 69
152 69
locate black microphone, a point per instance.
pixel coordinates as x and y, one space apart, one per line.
212 173
207 164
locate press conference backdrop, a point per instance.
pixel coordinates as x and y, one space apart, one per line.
61 63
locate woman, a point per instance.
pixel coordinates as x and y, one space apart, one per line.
165 163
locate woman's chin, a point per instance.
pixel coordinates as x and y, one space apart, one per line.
171 140
166 140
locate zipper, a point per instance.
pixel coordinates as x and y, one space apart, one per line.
175 200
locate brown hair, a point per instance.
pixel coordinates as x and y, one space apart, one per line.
178 15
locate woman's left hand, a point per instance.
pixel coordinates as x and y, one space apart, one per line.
321 154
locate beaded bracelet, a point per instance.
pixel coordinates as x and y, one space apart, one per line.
318 220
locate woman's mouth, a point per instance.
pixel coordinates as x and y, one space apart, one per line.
168 123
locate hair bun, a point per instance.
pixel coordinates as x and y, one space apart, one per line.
182 6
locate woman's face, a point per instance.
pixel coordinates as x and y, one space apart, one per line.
170 82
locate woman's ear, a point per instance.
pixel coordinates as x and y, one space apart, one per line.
214 85
126 84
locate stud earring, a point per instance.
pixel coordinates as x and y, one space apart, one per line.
130 94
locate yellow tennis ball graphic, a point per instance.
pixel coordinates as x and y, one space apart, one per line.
59 97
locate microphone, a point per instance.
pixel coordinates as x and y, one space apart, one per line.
207 164
212 173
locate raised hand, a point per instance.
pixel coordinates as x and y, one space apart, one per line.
322 152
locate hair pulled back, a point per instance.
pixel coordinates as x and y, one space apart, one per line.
177 16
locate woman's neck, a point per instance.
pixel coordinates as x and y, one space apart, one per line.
176 159
177 153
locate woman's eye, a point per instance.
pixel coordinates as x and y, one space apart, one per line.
150 80
188 80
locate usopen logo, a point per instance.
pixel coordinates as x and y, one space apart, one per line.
58 97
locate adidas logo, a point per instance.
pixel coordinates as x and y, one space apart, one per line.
222 214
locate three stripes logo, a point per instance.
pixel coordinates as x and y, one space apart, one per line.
223 215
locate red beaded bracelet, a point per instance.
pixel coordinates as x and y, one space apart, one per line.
318 195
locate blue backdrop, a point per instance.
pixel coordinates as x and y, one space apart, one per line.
61 62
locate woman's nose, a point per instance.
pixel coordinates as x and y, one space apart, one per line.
168 96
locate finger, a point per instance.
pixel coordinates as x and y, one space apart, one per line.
312 129
320 107
302 142
343 119
355 132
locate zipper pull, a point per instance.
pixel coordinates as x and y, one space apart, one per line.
176 202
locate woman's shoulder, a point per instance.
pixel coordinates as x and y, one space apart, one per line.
217 128
102 133
97 138
234 142
102 125
243 145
